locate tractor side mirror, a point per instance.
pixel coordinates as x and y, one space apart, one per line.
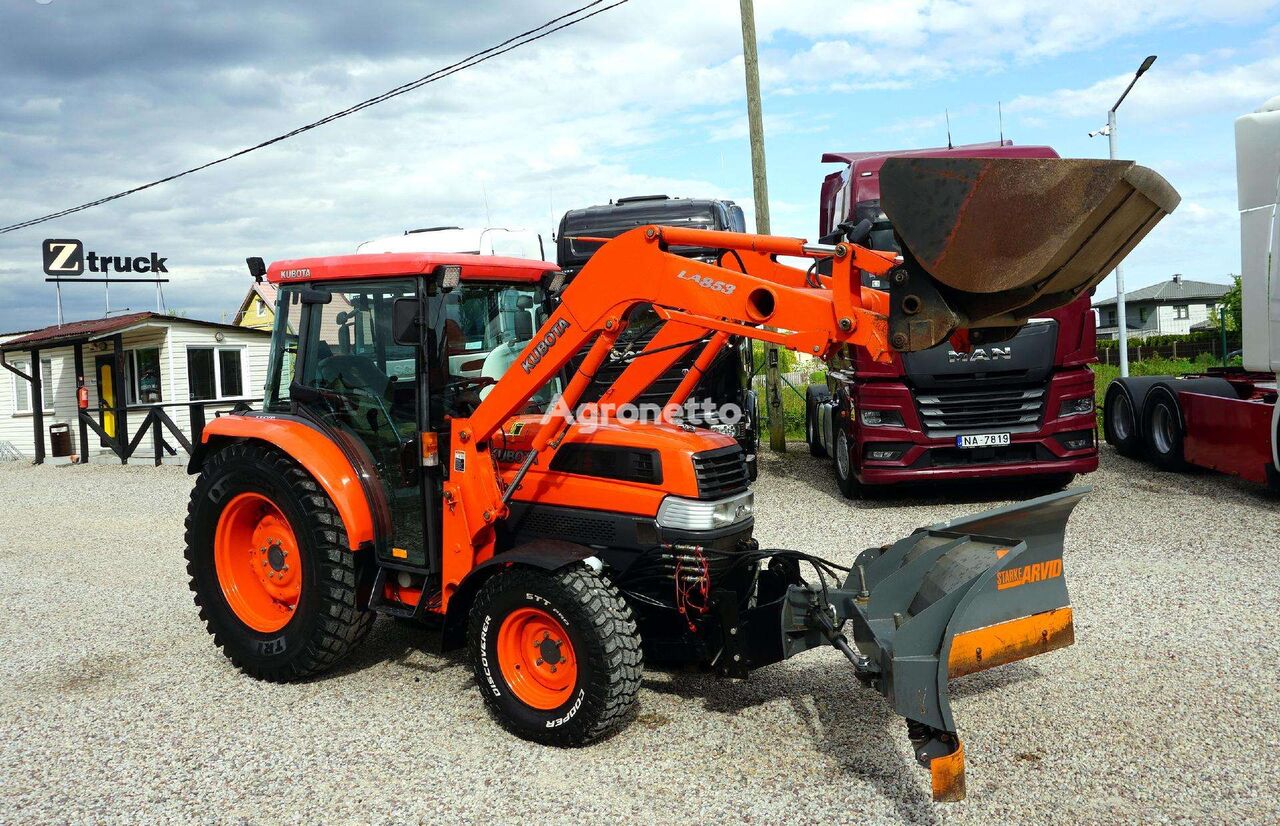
406 323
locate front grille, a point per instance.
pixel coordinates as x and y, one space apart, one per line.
1003 455
1013 409
721 472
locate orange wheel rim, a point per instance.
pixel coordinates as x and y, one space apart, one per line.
256 558
536 658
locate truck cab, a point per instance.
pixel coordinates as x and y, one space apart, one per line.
1016 408
727 381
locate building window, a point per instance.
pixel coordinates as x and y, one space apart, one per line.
142 376
260 307
1182 311
1111 318
1143 314
22 388
215 373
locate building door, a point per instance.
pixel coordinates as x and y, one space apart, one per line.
106 396
352 377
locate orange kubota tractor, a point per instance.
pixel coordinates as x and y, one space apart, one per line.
421 453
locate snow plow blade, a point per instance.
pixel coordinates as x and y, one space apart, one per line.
951 599
990 242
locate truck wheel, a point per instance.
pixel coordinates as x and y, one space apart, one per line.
813 434
1163 430
269 565
845 478
556 654
1120 423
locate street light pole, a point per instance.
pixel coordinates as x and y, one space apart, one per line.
1122 334
760 194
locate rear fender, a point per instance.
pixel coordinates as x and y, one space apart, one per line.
309 447
542 554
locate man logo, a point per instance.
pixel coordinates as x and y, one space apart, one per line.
63 256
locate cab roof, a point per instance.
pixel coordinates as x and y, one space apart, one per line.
351 267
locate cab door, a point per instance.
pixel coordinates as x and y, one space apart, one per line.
351 377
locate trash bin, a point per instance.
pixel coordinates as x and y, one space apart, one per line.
60 439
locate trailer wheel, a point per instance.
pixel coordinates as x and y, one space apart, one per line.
813 397
269 564
556 654
1164 430
1120 423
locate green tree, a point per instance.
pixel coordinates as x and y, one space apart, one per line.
1231 302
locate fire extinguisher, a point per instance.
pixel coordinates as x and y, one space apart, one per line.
82 396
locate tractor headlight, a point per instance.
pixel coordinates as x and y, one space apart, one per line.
694 515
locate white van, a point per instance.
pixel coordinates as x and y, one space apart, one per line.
511 243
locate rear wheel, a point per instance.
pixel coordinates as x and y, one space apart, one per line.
556 654
1119 422
1164 431
269 565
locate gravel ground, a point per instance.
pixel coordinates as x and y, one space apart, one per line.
114 704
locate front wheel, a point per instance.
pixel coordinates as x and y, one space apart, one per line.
556 654
845 477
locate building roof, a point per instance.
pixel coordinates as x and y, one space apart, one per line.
1175 291
96 328
264 290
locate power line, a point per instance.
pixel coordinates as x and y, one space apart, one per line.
548 28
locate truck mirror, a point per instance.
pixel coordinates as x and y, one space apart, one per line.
406 323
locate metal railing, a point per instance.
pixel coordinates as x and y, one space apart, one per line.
156 422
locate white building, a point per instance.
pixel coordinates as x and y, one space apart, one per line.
1169 308
157 361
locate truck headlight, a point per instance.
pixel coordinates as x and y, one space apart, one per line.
694 515
1076 407
881 418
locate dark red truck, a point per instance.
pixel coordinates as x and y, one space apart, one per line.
1018 408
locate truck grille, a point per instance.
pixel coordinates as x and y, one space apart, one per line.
1012 409
721 472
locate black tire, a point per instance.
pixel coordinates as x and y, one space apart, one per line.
813 435
328 620
846 480
605 645
1162 430
1120 422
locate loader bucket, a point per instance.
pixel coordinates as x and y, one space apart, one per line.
1001 239
951 599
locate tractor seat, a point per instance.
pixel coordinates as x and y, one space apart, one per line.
360 372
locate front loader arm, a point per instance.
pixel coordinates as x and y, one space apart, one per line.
636 268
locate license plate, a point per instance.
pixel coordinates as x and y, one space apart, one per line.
983 440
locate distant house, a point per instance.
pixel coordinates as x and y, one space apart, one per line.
258 310
130 363
1171 307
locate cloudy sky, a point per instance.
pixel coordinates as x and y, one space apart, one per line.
97 96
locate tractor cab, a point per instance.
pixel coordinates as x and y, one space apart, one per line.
350 356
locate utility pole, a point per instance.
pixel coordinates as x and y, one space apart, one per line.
1122 331
760 193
